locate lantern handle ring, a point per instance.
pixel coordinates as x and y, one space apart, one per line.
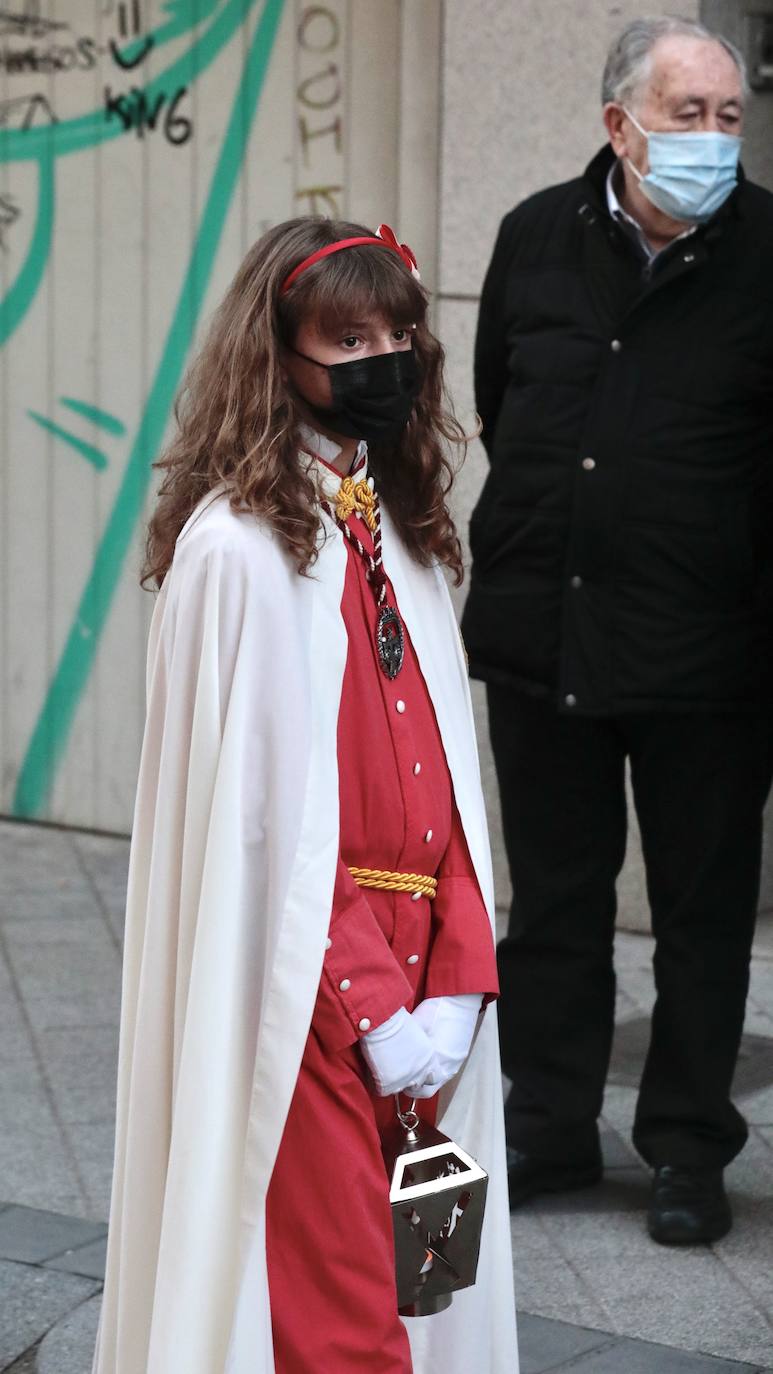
410 1118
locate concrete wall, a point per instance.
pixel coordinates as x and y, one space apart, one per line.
730 18
121 221
143 146
521 110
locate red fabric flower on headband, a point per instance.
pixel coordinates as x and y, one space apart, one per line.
407 254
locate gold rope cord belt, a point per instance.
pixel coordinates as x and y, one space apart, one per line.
395 882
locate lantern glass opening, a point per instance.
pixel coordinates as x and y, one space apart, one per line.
425 1170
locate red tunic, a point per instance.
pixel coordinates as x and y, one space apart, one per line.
329 1239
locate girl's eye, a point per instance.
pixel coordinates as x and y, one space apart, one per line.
399 335
351 341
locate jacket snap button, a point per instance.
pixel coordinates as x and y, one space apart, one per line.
689 257
616 346
570 699
589 464
576 582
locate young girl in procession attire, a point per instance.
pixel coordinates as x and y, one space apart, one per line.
309 918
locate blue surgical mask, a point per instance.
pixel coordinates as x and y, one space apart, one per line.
690 174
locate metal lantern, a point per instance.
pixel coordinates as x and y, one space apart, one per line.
438 1195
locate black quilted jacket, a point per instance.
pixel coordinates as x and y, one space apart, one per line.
623 541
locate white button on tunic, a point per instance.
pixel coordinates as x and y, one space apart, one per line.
328 942
415 896
416 769
364 1024
400 706
412 959
428 837
345 984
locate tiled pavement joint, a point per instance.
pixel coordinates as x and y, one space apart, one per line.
67 1254
99 900
40 1063
595 1295
50 1265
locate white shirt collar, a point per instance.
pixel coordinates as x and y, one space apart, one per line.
617 212
322 453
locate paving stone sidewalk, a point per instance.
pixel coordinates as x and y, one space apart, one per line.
595 1294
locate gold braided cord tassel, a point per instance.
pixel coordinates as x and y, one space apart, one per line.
356 496
367 504
395 882
346 501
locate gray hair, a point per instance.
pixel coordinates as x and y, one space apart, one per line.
629 61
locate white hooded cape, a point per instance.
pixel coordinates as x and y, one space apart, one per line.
234 852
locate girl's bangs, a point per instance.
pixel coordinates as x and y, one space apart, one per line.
351 286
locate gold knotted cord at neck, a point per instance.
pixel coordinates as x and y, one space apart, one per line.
356 496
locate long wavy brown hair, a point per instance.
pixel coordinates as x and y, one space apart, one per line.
238 419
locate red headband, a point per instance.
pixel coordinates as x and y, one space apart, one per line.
384 237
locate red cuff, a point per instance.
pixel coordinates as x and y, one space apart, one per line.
362 983
462 955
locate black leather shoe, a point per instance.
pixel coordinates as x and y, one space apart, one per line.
527 1175
688 1206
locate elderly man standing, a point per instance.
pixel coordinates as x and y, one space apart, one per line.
621 606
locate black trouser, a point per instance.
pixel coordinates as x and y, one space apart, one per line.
699 785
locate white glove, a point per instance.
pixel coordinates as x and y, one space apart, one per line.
400 1057
450 1024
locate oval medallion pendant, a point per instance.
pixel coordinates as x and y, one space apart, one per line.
390 641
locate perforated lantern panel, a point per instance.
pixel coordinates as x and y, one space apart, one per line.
438 1195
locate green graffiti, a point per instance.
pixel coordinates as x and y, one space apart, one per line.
180 19
101 418
84 131
19 298
74 135
88 451
49 738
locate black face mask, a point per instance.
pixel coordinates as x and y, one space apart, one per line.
372 397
